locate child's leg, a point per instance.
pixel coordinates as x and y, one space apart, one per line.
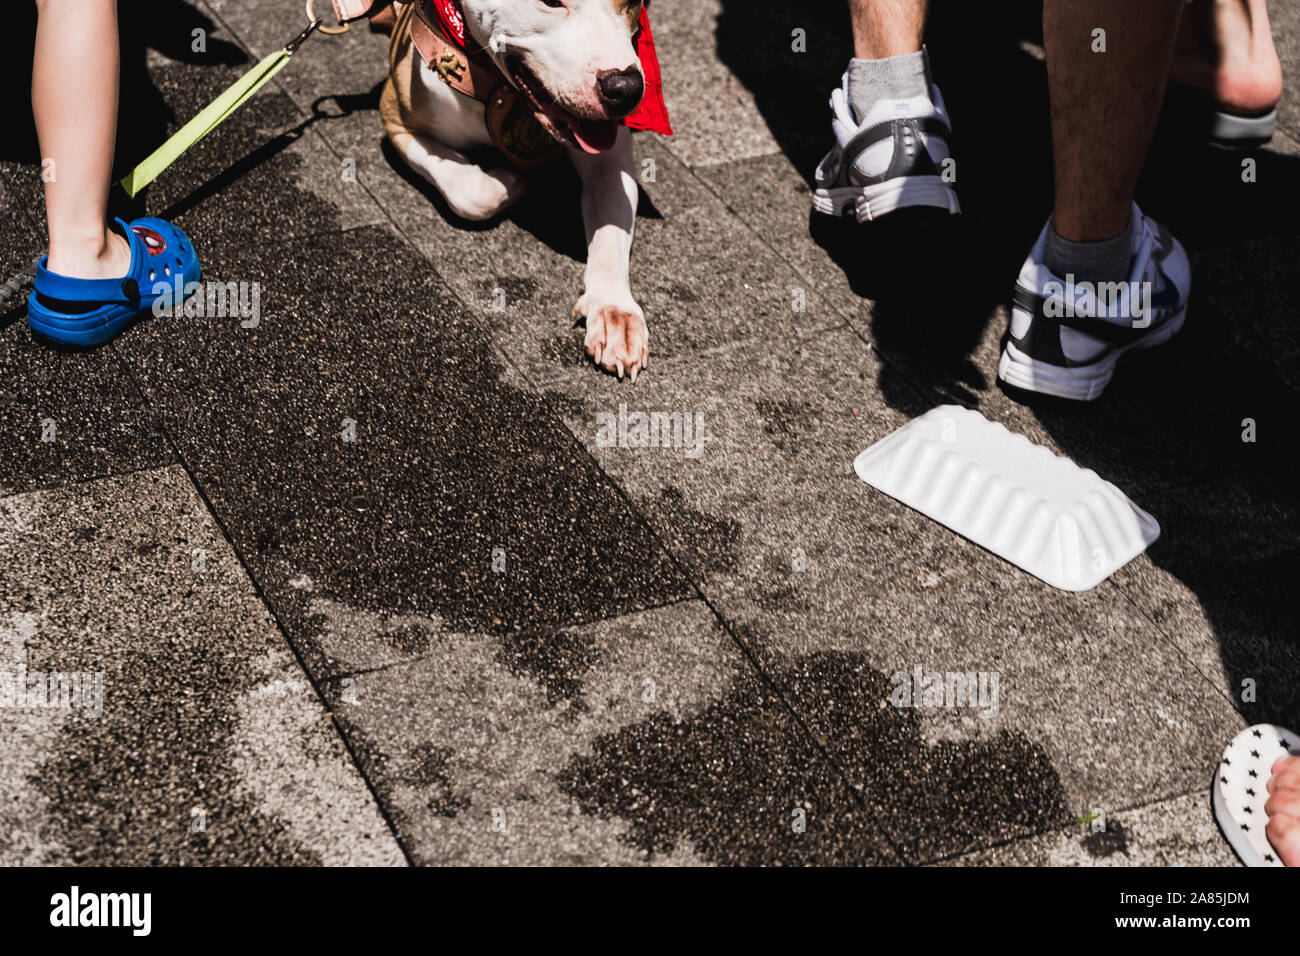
74 99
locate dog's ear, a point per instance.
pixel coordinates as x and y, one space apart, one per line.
629 10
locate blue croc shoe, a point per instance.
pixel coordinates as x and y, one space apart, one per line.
83 312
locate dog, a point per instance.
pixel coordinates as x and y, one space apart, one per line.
533 78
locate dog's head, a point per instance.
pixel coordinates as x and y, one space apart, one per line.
573 59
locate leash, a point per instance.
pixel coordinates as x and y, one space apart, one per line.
214 114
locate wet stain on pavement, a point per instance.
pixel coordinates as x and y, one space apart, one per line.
69 416
513 288
787 423
694 780
399 393
152 779
937 799
566 406
1107 842
705 541
565 349
727 783
432 775
137 808
409 638
557 660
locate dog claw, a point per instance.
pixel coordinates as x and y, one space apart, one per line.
616 338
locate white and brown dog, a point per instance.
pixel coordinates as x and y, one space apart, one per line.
532 78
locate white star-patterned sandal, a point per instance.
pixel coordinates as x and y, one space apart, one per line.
1240 792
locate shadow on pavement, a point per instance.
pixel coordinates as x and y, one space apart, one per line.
672 768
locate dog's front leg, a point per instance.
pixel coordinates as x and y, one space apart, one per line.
617 337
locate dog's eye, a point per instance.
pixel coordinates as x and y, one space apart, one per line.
554 4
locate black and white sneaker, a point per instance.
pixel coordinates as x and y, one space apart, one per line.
1065 337
894 157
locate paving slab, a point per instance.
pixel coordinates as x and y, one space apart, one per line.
701 282
883 591
645 739
191 735
710 52
67 416
1177 832
345 68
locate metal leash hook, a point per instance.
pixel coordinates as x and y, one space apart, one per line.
292 46
339 30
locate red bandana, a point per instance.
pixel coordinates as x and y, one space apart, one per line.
652 112
451 20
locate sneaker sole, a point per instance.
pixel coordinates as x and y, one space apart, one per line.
1083 383
1233 129
866 203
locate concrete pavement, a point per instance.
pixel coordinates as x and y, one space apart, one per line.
438 620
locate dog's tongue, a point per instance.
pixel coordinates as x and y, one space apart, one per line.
592 136
595 137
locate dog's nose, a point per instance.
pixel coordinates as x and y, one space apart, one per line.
620 90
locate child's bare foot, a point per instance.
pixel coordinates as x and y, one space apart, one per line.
1283 808
99 257
1225 51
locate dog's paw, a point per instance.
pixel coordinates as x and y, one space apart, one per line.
478 194
617 337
